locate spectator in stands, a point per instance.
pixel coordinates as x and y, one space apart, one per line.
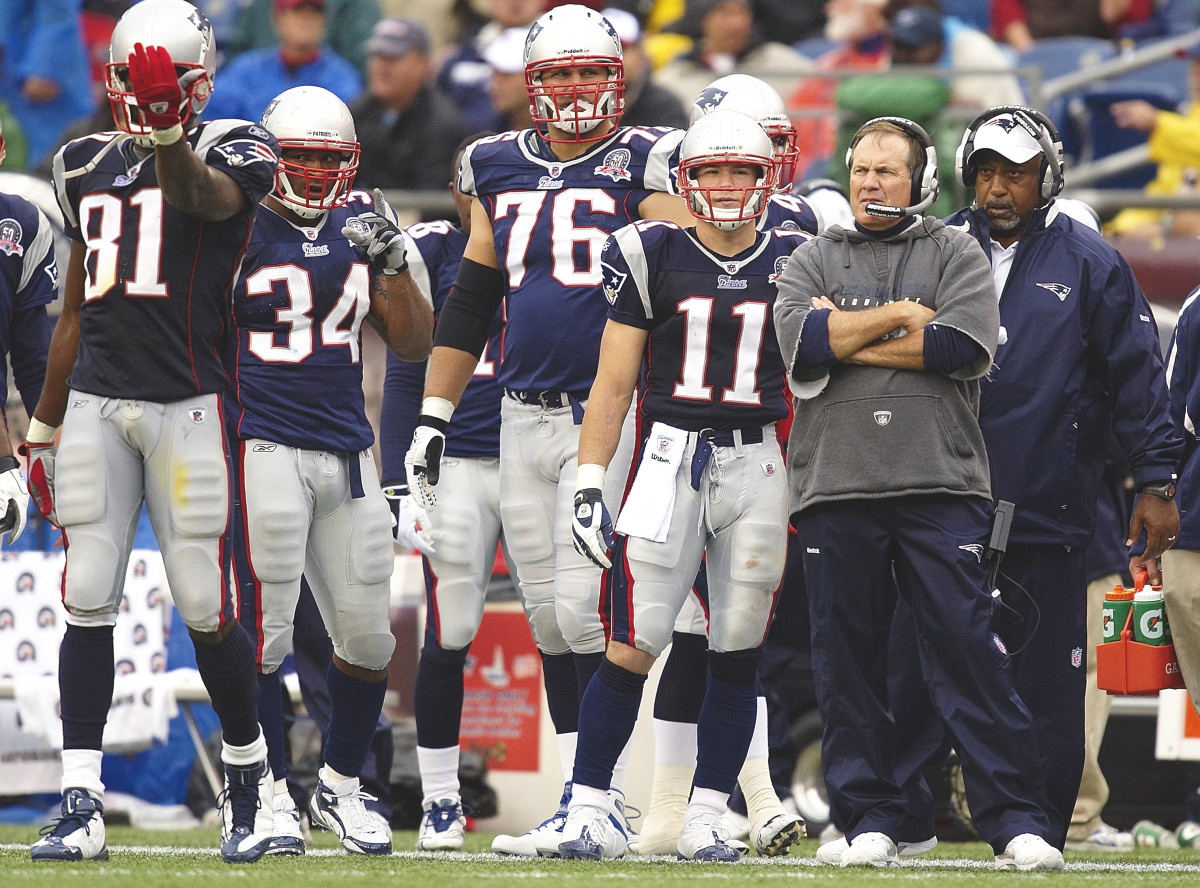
861 34
789 21
407 127
921 34
506 89
43 70
646 103
1175 147
349 24
299 58
1020 22
728 43
465 74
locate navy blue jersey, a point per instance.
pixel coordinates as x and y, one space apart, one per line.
298 311
435 250
789 211
549 222
28 280
712 360
156 295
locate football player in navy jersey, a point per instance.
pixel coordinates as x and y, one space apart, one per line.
544 200
160 213
460 548
322 260
28 281
695 306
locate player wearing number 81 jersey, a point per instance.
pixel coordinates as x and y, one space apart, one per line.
695 306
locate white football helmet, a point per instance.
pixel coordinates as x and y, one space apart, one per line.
185 33
726 137
312 118
564 39
741 92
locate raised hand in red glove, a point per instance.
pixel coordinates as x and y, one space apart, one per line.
155 85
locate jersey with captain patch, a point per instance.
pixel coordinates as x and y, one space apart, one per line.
434 251
158 281
298 311
549 222
712 359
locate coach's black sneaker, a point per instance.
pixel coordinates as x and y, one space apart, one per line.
341 810
247 812
78 834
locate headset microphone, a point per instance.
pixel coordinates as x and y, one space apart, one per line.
900 212
924 176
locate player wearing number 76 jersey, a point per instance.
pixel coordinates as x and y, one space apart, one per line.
694 305
321 261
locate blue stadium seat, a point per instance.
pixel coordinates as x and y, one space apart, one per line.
973 12
1057 56
814 47
1104 137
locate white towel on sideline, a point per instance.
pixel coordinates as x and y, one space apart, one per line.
647 510
142 708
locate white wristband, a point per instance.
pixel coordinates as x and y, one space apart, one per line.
39 432
590 475
168 136
439 408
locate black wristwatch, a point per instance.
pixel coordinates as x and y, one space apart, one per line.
1161 489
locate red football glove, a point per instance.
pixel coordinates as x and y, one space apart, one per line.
155 85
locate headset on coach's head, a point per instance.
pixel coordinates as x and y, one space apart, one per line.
1039 126
924 177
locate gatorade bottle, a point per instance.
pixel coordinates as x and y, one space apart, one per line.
1118 601
1150 618
1150 835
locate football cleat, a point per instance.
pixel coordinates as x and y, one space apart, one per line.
442 826
704 838
776 837
247 812
541 841
871 849
1029 852
592 833
78 834
341 810
831 851
287 838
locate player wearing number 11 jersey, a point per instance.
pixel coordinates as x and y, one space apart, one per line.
544 200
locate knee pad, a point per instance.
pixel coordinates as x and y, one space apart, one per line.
759 551
368 651
543 623
200 497
80 496
373 557
736 668
582 630
277 544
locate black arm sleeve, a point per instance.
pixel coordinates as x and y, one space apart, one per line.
466 317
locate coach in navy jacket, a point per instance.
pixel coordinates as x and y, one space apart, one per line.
1078 355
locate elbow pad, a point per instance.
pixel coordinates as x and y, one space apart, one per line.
465 320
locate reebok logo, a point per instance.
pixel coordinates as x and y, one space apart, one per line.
812 550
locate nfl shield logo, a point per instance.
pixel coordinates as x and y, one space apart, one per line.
883 417
664 444
197 415
769 468
1077 657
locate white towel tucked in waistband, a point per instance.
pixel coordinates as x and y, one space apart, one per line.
647 510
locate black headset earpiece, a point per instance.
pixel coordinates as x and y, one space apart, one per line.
1039 127
924 177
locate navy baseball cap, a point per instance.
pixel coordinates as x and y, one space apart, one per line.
915 27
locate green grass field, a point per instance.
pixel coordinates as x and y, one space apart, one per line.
147 859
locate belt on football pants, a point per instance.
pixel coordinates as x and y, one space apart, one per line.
551 400
707 439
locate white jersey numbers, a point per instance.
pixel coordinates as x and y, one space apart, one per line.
341 326
564 234
102 237
699 311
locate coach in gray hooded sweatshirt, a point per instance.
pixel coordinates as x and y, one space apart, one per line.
885 327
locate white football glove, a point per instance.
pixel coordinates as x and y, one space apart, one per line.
411 527
423 464
592 527
14 501
378 236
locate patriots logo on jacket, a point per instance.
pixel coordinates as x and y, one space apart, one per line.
780 266
616 165
1062 291
613 282
710 99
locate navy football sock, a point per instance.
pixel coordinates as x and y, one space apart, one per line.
86 674
562 693
270 717
227 670
606 717
354 709
726 720
679 696
586 666
438 699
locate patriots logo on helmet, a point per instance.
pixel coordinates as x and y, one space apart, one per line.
1062 291
616 165
613 282
10 237
710 99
